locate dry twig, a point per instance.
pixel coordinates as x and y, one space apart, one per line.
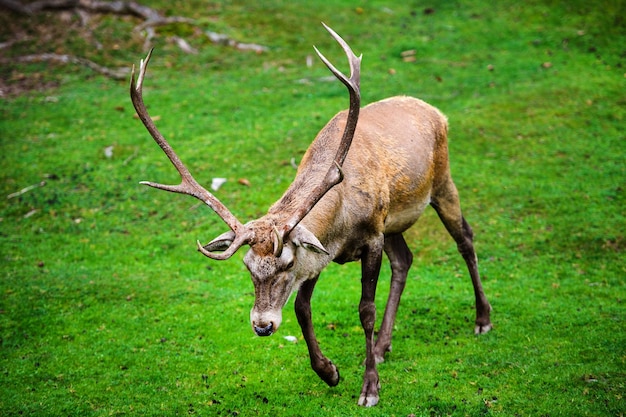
115 73
26 189
151 19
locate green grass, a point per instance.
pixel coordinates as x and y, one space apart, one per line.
107 309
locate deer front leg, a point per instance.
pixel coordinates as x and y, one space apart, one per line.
320 363
370 268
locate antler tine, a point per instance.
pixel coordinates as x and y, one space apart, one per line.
334 175
353 82
188 184
241 239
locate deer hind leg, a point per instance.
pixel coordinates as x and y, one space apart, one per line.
370 268
446 203
401 258
326 370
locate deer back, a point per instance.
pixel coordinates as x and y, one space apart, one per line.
399 152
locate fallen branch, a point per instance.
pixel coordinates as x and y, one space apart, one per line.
11 42
16 7
161 21
184 45
26 189
115 73
151 19
117 7
221 39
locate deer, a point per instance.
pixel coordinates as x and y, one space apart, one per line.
366 178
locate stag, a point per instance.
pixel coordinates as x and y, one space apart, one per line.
357 190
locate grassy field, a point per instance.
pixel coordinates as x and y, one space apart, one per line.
107 309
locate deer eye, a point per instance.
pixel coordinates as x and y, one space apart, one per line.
290 264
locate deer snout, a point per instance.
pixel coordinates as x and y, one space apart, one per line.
264 331
265 323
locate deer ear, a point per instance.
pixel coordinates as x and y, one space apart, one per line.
220 243
301 236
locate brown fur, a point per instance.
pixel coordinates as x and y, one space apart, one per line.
398 152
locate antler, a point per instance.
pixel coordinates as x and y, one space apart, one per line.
188 184
334 175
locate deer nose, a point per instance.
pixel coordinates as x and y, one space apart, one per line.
264 331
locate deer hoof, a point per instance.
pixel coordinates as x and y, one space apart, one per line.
484 328
334 379
328 373
369 394
368 400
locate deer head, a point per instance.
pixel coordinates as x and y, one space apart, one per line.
283 253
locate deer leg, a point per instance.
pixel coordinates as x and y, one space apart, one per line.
446 204
370 268
326 370
400 257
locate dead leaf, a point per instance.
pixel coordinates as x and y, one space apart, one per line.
216 183
408 55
